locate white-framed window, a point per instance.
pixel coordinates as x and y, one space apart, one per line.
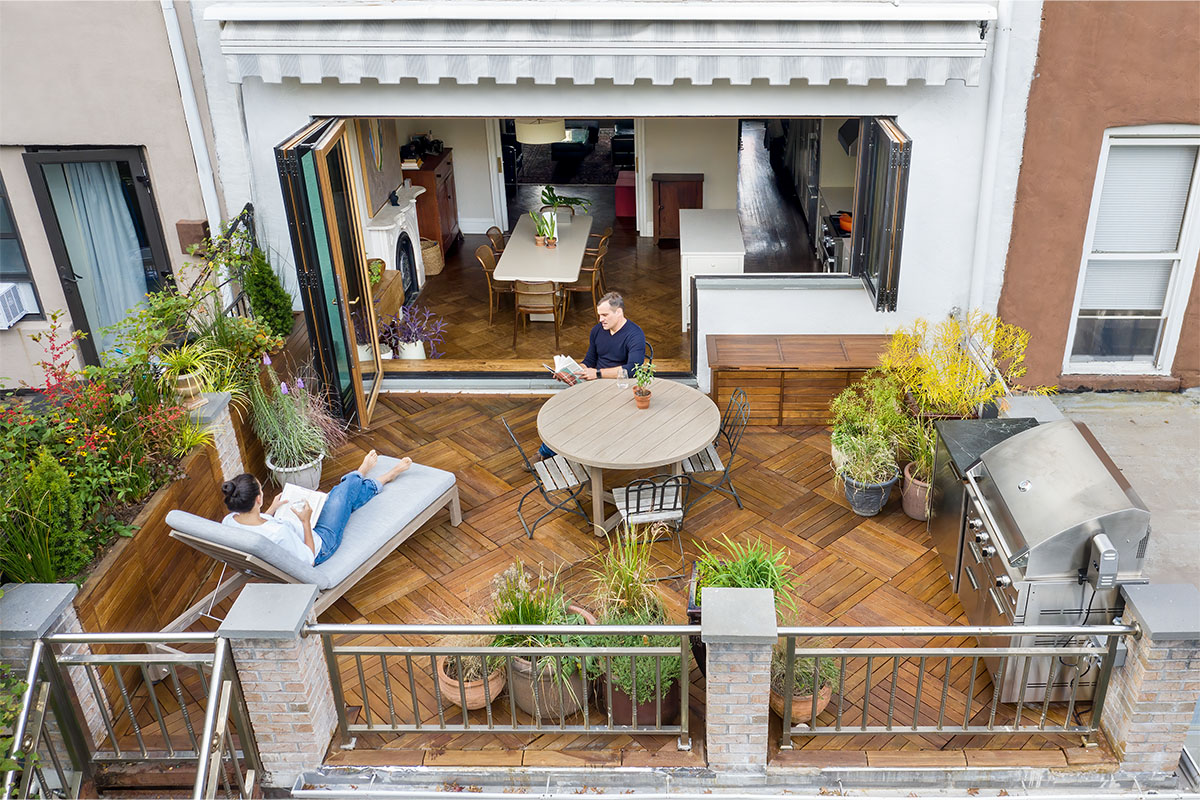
1139 255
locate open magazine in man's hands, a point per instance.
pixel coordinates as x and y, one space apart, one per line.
567 370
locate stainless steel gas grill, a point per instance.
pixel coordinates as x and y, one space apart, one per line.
1052 529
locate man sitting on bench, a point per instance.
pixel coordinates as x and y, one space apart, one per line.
312 544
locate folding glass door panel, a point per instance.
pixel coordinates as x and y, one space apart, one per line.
319 195
104 235
881 190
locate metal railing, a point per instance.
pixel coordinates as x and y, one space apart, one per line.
919 689
401 688
84 708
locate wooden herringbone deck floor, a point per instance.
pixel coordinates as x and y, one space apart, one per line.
854 571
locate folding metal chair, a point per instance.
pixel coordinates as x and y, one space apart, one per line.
662 498
551 475
733 425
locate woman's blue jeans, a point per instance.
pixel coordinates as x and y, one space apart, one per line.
351 494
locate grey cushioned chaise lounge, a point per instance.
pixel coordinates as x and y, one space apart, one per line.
374 531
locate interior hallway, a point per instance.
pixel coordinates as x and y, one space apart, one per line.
776 237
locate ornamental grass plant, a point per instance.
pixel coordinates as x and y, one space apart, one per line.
292 421
623 580
749 565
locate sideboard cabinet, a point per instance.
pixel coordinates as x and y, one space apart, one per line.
437 208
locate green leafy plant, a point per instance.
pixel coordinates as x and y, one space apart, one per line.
637 676
293 423
518 599
203 361
623 579
55 513
868 458
872 404
542 225
191 435
753 565
644 374
920 441
808 677
162 319
269 301
550 197
375 270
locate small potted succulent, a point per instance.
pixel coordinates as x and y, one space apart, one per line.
868 472
644 374
546 686
408 332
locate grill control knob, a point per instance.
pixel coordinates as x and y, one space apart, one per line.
988 551
974 523
981 537
1003 581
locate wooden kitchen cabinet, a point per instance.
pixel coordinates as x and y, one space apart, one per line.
437 208
673 191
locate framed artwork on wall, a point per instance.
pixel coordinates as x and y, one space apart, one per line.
379 154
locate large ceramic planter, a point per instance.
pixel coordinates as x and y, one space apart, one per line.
188 387
915 498
307 475
868 499
540 691
802 704
410 351
472 693
622 707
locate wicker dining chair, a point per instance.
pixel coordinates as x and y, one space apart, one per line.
662 498
536 297
733 425
601 240
590 281
487 260
554 478
496 237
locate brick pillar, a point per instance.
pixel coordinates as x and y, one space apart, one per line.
215 416
29 611
738 627
284 678
1152 696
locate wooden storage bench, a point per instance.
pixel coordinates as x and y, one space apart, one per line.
789 380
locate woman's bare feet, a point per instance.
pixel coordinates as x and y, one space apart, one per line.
395 471
368 463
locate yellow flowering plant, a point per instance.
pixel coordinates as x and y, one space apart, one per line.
935 364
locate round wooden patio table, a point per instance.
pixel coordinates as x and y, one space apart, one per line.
596 424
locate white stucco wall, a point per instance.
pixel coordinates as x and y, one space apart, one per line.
87 74
472 169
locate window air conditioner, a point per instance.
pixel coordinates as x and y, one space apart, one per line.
12 305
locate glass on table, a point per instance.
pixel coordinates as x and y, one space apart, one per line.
622 378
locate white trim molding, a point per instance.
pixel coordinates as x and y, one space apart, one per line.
1183 257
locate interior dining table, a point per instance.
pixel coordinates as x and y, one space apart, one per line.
597 425
524 260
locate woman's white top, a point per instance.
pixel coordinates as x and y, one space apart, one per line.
284 532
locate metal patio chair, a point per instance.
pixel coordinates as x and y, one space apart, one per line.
662 498
733 425
551 476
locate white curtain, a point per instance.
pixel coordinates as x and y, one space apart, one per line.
102 244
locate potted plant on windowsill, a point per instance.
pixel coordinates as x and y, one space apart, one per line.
868 472
754 565
294 424
644 374
919 442
408 332
548 687
808 678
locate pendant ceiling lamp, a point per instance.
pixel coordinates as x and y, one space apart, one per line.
540 130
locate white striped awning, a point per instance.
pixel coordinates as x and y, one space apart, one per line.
429 43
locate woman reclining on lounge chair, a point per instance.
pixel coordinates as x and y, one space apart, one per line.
314 543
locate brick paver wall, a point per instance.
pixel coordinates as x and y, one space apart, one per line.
738 685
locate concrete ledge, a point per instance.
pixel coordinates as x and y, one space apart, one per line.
269 611
738 616
27 610
207 413
1165 611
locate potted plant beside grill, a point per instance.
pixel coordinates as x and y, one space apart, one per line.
868 472
919 441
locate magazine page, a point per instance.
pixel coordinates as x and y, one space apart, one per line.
568 366
294 494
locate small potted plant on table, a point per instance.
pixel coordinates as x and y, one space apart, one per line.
644 374
546 686
295 426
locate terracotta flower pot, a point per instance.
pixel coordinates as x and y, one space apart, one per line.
473 691
542 692
915 497
551 243
802 707
539 241
641 398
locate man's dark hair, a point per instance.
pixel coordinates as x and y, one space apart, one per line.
241 492
614 301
